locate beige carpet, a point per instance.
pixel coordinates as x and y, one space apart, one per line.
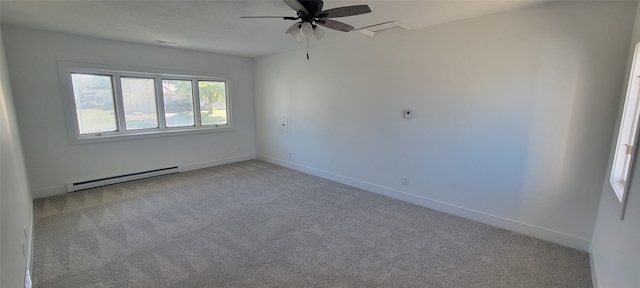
253 224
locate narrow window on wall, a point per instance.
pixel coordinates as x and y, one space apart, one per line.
627 135
95 108
213 103
178 103
139 100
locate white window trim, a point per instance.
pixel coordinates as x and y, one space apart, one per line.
621 188
75 138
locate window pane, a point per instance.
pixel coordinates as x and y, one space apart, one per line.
178 103
139 99
213 102
93 96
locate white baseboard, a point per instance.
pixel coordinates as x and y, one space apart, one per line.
50 191
594 268
62 189
206 164
30 245
493 220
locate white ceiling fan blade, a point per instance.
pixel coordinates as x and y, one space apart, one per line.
317 33
294 30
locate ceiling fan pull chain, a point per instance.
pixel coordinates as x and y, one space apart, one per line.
307 48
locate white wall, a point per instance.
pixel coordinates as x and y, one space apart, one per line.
51 162
513 114
615 256
15 198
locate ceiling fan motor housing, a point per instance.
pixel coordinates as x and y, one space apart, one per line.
313 7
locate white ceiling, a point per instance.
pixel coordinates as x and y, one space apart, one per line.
216 26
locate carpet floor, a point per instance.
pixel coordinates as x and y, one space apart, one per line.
254 224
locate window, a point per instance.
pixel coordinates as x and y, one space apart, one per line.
212 99
627 134
117 103
139 101
178 102
93 96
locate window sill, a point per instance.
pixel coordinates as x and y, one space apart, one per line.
89 139
618 188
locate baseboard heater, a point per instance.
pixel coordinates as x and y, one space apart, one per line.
119 179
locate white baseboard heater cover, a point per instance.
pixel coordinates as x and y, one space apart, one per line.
119 179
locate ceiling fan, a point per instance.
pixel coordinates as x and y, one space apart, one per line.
310 14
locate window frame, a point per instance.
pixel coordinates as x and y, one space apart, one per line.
627 136
65 69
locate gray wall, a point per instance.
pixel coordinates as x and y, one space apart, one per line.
52 162
615 256
513 114
15 198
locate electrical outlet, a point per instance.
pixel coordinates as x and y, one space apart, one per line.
405 180
290 156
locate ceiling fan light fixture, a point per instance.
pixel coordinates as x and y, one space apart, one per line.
306 30
296 35
294 30
317 33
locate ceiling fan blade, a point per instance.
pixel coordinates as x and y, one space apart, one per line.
345 11
335 25
296 6
279 17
